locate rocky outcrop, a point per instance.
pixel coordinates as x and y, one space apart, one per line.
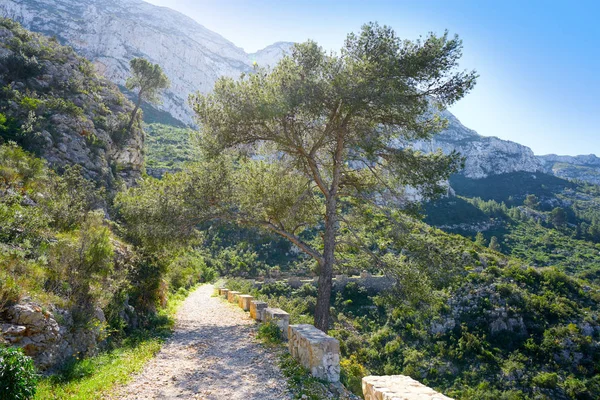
112 32
36 330
484 155
55 105
584 167
270 55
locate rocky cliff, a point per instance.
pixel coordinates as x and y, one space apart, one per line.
54 104
585 167
112 32
484 155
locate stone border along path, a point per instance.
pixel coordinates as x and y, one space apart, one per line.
212 355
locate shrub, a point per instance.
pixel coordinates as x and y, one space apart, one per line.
270 333
17 375
548 380
352 373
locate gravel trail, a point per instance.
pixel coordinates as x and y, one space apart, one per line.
212 355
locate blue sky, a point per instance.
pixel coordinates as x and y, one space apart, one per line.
539 61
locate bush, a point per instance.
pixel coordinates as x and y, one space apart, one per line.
269 333
548 380
17 375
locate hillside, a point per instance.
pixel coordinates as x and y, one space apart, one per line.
54 104
557 225
111 32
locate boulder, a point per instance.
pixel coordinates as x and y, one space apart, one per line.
244 301
257 309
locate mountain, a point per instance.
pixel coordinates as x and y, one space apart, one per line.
585 167
270 55
111 32
484 155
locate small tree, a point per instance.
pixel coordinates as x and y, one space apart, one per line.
558 216
480 239
494 245
148 79
531 201
335 130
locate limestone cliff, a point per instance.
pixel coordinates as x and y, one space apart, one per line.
112 32
585 167
54 104
484 155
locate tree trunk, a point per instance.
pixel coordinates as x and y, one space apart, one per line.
326 271
134 112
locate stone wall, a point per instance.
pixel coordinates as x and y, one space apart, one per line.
397 387
315 350
320 353
373 283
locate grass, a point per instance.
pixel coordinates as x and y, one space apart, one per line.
92 377
95 377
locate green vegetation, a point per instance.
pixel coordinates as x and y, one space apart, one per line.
89 378
168 148
548 222
17 375
269 333
299 187
148 79
53 104
300 382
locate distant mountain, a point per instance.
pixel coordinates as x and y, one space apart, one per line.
270 55
585 167
485 155
112 32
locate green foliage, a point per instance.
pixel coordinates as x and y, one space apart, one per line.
168 147
322 123
17 375
48 94
300 381
352 373
187 269
147 78
269 333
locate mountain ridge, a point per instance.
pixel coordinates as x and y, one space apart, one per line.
110 33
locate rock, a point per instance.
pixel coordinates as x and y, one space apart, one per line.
397 387
257 308
232 296
244 301
110 33
315 350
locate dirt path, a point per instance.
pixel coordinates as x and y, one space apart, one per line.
212 355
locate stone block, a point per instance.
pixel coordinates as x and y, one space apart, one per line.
279 317
232 296
397 387
257 309
223 291
315 350
244 301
